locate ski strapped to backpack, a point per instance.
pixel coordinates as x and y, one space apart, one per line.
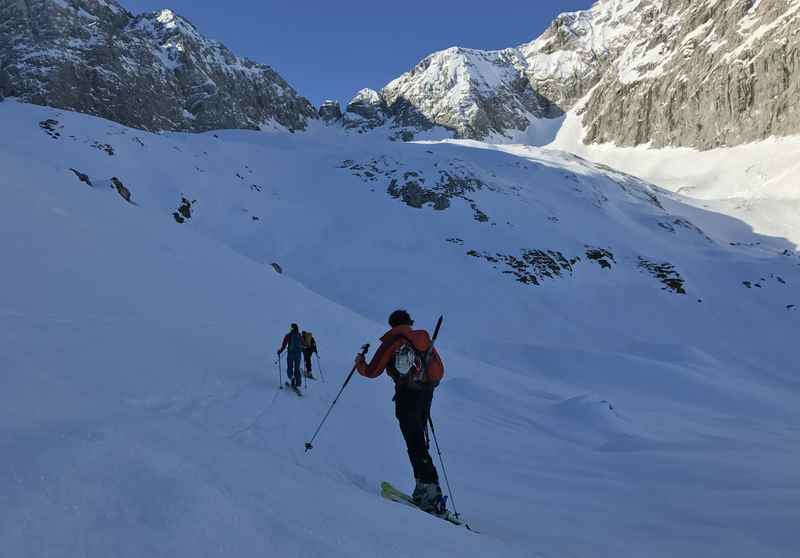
429 352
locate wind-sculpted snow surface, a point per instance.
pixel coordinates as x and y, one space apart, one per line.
594 411
153 71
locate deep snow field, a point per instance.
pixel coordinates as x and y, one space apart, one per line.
754 182
596 413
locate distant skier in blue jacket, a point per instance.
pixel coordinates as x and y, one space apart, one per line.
293 341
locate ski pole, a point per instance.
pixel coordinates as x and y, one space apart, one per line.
309 446
425 361
444 470
319 365
280 375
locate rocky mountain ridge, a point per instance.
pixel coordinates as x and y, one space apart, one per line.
467 93
689 73
703 74
153 71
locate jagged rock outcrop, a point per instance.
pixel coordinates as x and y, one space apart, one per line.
366 110
153 71
330 111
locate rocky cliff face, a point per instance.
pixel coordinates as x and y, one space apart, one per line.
697 73
154 71
330 111
568 59
366 110
701 74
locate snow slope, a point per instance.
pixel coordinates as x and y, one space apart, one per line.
755 182
597 412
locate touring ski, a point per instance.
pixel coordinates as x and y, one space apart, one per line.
391 493
294 389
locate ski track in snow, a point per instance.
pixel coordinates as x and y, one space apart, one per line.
594 414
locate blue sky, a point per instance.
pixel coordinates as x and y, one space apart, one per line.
329 51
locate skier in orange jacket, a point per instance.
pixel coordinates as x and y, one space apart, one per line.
400 355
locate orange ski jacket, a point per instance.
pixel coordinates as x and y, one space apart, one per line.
390 342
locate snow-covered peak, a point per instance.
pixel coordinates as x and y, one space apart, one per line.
330 111
167 25
502 93
366 96
454 74
471 92
167 17
367 109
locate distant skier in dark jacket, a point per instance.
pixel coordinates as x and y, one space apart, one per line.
399 354
293 341
309 348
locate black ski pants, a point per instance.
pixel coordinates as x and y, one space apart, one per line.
307 354
412 407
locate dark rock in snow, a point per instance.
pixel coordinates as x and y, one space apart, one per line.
82 177
121 189
109 150
532 266
366 110
666 273
600 255
51 128
184 211
330 111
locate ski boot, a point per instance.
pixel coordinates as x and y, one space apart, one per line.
428 497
